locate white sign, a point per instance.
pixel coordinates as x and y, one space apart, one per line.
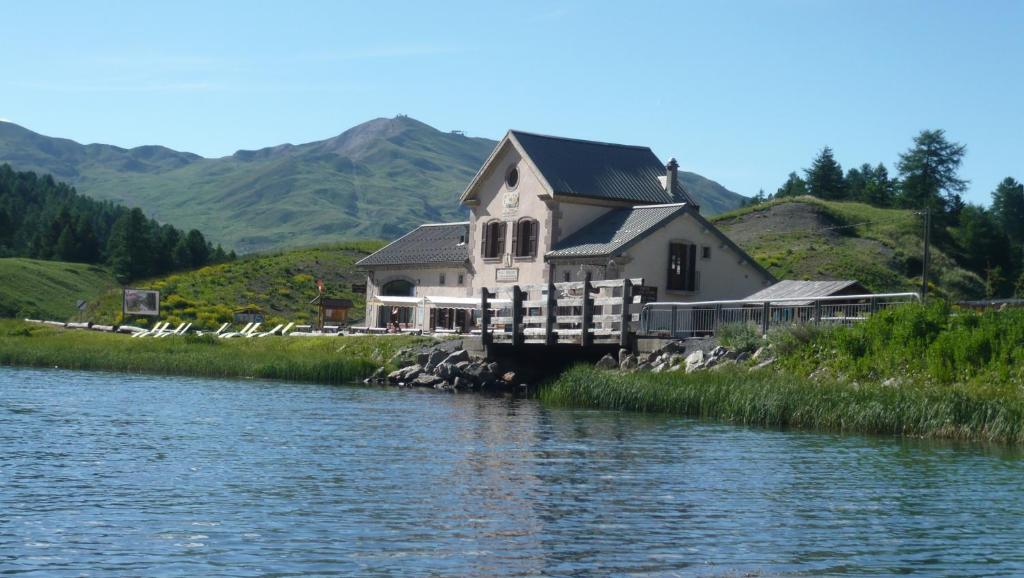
506 275
141 302
510 204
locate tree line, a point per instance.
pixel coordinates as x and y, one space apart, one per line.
41 218
986 240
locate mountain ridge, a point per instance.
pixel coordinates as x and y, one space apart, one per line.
374 180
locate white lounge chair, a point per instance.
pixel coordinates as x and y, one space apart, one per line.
159 327
236 333
266 333
287 328
172 332
214 333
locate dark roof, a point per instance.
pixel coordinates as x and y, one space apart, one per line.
581 168
615 231
426 244
790 289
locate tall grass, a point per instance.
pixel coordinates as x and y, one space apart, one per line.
784 400
320 360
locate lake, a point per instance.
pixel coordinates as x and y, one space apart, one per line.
124 475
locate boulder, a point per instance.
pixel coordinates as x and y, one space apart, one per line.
763 364
607 362
494 368
628 363
672 347
742 356
509 377
422 358
462 365
396 375
444 370
643 367
719 352
457 357
723 363
426 380
761 352
622 355
694 361
658 368
435 357
461 383
412 372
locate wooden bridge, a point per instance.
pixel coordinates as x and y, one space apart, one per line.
583 313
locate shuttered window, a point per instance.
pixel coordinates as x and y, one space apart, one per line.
493 240
682 267
524 238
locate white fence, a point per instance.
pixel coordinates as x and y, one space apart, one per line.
704 318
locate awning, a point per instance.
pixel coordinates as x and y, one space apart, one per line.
396 301
462 302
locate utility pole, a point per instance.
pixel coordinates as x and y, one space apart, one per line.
927 252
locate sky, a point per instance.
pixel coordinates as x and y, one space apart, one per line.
740 92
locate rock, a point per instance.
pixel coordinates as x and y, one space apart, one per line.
742 356
672 347
396 375
462 365
761 352
719 352
435 357
426 380
422 358
628 363
763 364
622 354
412 372
479 374
892 382
644 367
444 370
658 368
401 357
694 361
723 363
461 383
457 357
607 362
494 368
509 377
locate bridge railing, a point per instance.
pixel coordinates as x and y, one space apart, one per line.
578 312
706 318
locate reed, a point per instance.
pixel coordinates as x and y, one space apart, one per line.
319 360
784 400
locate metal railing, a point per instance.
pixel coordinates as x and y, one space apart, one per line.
705 318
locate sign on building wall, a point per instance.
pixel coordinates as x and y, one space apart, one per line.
359 287
506 275
648 294
141 302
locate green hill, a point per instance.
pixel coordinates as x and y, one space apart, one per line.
49 289
808 238
282 284
374 181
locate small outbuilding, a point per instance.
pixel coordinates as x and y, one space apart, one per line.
791 289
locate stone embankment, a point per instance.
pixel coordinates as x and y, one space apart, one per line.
689 355
446 366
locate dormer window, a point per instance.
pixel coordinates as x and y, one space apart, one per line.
512 178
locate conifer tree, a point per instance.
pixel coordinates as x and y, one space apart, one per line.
793 187
825 177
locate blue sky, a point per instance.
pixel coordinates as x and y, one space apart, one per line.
741 92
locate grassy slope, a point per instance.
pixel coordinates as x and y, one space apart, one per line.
49 289
281 283
913 371
786 237
320 360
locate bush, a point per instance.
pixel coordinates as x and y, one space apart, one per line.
740 336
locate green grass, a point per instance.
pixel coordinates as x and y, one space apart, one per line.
320 360
916 371
879 247
49 289
282 284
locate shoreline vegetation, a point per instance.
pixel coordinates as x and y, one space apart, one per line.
327 361
921 371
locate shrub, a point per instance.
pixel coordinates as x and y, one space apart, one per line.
740 336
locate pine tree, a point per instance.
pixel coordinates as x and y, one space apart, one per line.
66 248
879 190
793 187
928 172
825 177
130 247
197 248
1008 207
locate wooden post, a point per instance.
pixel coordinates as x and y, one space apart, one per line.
485 318
517 316
766 315
588 313
552 312
627 316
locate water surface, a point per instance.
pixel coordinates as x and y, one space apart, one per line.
114 475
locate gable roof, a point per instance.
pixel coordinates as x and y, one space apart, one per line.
427 244
791 289
615 231
588 169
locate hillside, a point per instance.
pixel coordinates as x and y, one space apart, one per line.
49 289
373 181
807 238
282 284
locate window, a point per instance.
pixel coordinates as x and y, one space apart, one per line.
524 238
441 279
682 267
512 178
493 240
461 279
566 276
705 252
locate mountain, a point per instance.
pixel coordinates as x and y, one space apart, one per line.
375 180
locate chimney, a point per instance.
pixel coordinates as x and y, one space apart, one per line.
670 178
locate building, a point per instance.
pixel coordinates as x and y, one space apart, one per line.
548 209
790 289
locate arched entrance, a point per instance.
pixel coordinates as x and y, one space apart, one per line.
388 315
